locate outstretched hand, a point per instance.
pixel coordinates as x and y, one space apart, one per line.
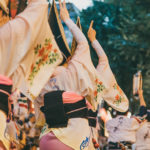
91 32
64 15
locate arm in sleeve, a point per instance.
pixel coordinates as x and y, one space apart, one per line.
19 34
103 60
77 33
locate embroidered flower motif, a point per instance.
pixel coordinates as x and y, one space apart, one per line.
116 87
55 50
96 80
100 88
45 54
95 93
119 97
49 47
41 51
100 82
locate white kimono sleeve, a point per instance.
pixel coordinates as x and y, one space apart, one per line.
28 51
114 96
81 69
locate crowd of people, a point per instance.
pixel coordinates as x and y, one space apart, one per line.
53 106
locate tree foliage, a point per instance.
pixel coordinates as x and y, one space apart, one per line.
123 29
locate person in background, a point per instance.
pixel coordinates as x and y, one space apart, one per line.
143 133
122 130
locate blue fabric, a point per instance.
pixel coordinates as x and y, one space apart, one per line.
143 111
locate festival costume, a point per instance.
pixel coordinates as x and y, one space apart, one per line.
31 51
119 100
80 77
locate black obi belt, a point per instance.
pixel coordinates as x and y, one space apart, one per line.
57 114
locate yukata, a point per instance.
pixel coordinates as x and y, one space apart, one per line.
79 77
28 51
143 134
119 101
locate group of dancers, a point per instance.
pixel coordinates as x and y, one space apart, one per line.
65 97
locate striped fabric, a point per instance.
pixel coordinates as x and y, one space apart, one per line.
23 105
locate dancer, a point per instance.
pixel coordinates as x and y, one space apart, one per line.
143 133
78 80
115 97
118 100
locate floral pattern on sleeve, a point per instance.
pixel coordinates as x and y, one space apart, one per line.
119 97
45 54
100 88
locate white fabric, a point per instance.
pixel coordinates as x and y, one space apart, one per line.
143 137
79 77
77 135
122 128
114 96
2 129
25 52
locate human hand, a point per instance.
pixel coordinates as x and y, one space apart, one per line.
91 32
64 15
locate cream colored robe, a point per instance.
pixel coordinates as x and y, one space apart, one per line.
81 77
28 51
114 95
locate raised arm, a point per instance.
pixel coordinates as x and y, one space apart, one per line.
141 97
143 108
96 45
103 67
77 33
